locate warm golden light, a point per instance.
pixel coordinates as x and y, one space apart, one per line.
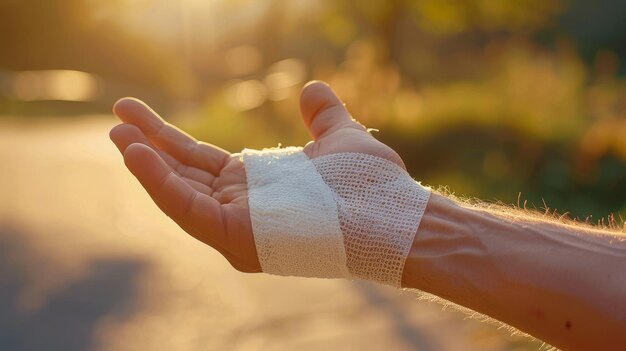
65 85
284 75
242 60
489 98
246 95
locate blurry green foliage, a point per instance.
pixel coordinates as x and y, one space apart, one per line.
491 98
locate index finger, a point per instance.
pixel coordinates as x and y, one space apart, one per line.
170 139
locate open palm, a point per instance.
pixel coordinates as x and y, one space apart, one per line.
203 187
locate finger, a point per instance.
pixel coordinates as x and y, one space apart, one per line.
174 196
323 112
167 137
125 134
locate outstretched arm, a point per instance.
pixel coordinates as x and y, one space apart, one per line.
561 283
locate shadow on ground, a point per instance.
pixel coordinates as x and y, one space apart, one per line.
67 318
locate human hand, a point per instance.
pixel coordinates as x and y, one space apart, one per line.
203 188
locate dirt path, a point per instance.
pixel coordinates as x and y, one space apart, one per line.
87 262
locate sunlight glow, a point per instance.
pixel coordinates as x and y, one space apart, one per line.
284 75
246 95
64 85
242 60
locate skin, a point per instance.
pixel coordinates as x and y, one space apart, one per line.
561 283
203 187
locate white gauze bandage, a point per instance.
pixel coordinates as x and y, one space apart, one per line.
344 215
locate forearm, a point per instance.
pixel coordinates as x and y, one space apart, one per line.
562 284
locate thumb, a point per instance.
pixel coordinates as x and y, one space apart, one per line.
323 112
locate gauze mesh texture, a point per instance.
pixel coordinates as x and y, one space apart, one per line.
294 215
380 207
346 215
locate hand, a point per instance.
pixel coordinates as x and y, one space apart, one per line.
203 187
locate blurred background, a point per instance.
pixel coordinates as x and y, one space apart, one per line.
512 101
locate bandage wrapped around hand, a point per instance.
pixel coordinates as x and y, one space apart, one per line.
343 215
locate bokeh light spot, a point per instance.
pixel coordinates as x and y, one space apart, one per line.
64 85
246 95
282 76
